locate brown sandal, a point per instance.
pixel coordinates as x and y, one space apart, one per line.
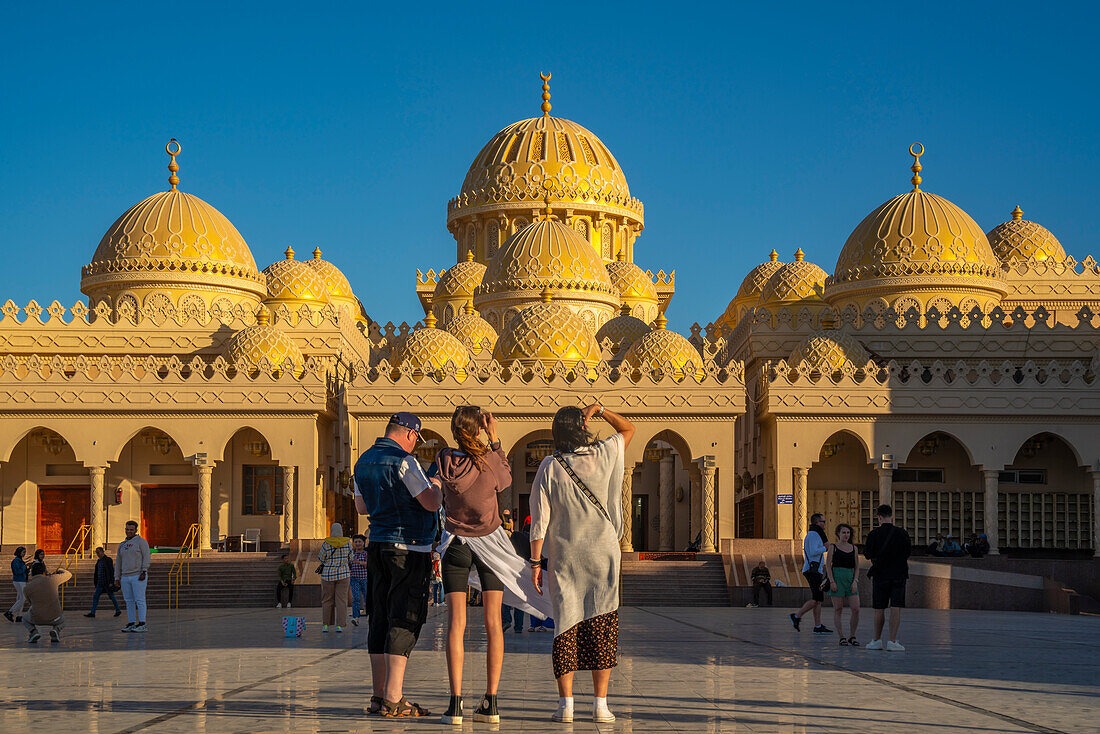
375 707
403 709
853 641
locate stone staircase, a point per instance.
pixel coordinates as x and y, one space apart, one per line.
217 580
676 583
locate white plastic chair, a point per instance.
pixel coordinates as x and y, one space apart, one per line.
251 535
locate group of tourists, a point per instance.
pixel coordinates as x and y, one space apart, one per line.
832 568
569 572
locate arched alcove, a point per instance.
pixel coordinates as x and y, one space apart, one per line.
842 484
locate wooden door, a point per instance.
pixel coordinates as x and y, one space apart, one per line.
167 511
837 505
61 512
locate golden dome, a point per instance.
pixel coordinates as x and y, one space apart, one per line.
472 330
458 282
337 286
548 332
429 350
751 288
796 281
635 288
172 240
661 349
916 241
262 341
1020 239
293 281
622 331
829 352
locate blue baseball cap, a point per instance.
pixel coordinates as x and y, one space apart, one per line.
408 420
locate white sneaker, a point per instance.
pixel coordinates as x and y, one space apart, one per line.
874 645
278 606
288 605
563 715
894 646
55 636
602 715
139 628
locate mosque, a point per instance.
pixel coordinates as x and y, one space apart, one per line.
946 370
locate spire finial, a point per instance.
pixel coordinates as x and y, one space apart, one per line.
916 167
773 255
172 165
288 253
624 310
468 309
262 316
547 296
469 256
621 255
799 255
545 94
547 212
1017 214
661 323
429 320
317 253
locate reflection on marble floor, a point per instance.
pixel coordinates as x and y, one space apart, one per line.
682 670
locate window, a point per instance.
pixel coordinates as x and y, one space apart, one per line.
1023 476
262 491
919 475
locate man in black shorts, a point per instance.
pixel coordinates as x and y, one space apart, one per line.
403 505
887 547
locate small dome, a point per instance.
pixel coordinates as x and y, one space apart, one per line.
472 330
796 281
1020 239
622 331
751 288
429 350
459 282
337 286
829 352
633 285
660 349
547 254
262 341
295 282
547 332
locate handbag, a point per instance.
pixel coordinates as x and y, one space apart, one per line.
584 488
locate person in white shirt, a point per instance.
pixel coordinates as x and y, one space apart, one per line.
132 573
813 568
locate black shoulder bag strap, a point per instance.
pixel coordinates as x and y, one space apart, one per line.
584 488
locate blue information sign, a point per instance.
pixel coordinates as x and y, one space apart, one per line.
784 499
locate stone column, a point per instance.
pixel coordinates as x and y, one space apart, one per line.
668 502
992 486
707 471
1096 513
321 517
695 506
626 543
288 502
801 502
205 475
99 516
886 486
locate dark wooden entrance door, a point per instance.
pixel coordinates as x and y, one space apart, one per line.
61 512
167 511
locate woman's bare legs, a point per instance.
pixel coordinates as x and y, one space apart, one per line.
601 679
838 614
565 685
494 631
853 618
456 633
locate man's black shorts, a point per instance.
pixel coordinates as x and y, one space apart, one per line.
887 593
455 569
398 582
814 578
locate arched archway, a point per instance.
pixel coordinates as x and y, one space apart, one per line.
1045 498
842 485
157 487
44 485
525 455
666 502
938 490
247 488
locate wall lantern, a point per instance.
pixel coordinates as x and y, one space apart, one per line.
830 450
257 448
929 446
1031 447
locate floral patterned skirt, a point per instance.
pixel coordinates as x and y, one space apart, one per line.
591 645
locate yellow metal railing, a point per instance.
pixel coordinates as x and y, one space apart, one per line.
82 543
181 567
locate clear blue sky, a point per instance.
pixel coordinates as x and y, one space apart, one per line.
350 127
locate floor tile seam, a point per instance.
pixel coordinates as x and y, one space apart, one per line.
868 677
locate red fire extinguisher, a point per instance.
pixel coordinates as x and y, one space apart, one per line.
118 495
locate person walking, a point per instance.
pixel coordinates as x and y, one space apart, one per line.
132 574
45 609
19 572
814 546
887 547
104 579
287 574
335 557
842 569
761 580
403 505
576 513
39 556
360 590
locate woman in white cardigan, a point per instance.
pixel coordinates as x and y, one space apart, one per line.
577 520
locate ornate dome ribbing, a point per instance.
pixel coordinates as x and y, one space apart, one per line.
751 288
1020 239
622 331
472 330
548 332
295 282
635 288
829 351
796 281
660 350
337 286
459 281
262 341
429 350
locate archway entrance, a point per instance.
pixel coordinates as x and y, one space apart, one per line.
1045 498
167 511
938 491
61 512
843 486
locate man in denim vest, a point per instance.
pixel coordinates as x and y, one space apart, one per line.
403 506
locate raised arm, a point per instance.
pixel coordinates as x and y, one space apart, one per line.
616 421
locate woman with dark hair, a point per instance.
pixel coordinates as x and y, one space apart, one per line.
19 579
577 512
472 475
843 570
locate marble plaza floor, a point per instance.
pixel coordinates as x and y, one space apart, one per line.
682 670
